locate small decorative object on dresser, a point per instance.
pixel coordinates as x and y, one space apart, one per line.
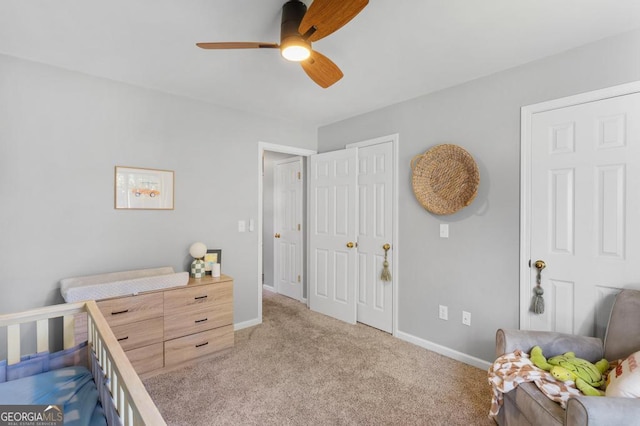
215 270
198 251
212 257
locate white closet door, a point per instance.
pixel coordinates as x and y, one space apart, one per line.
332 234
375 229
585 211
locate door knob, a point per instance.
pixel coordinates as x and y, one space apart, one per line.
540 265
277 235
350 244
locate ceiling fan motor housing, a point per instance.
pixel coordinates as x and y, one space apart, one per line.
292 13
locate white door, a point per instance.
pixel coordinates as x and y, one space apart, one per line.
584 211
332 234
287 249
375 229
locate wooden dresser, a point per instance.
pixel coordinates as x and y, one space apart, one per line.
164 329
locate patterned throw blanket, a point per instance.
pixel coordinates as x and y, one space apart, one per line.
508 371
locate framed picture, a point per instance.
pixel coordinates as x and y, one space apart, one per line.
212 256
143 189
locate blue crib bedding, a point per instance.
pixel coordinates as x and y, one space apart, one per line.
71 387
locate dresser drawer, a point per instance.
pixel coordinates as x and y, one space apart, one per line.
130 309
195 297
177 351
147 358
141 333
197 320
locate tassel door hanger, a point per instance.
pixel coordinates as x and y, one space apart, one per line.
386 274
537 305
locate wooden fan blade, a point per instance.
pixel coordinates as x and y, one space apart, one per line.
237 45
321 69
328 16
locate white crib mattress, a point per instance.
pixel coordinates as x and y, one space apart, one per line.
114 284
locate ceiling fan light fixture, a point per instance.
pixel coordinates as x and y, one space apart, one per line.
295 49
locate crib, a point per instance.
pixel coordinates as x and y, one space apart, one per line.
120 390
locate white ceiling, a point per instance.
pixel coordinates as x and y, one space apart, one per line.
392 51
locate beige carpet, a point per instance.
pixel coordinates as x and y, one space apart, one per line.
303 368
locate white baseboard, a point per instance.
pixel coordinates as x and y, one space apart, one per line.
268 287
443 350
246 324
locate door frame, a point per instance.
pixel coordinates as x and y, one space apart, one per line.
262 147
395 253
526 118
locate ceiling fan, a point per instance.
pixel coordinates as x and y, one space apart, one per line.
299 28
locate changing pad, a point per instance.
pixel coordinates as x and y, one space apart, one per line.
114 284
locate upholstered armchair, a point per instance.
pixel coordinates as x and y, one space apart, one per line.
527 405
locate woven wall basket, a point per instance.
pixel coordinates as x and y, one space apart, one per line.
445 179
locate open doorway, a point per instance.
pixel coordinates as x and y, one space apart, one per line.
268 157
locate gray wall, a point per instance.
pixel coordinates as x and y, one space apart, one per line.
477 268
62 133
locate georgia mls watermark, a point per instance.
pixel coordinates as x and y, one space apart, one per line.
31 415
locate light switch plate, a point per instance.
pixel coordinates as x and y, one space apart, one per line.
242 226
444 230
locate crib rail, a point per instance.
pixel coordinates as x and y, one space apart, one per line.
41 317
131 399
133 403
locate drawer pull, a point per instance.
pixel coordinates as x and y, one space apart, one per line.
120 312
200 297
123 338
202 344
202 320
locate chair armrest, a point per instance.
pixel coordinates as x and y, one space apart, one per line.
552 343
602 410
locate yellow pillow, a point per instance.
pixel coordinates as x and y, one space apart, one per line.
624 380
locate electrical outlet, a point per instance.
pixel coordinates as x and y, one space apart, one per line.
466 318
443 312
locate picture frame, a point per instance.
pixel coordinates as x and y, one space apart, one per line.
212 256
138 188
